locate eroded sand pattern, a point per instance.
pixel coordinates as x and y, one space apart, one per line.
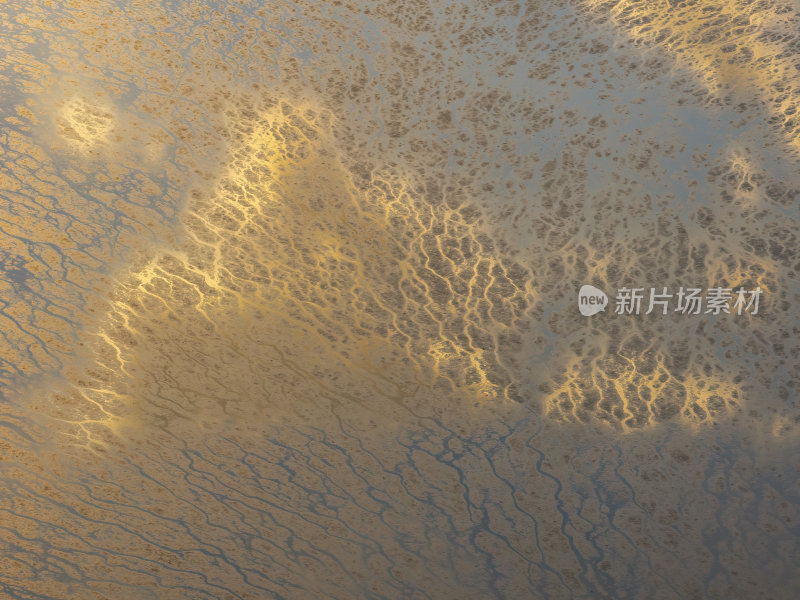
289 300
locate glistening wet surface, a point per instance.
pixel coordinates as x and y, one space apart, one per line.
289 300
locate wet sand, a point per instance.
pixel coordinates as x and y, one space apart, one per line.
289 300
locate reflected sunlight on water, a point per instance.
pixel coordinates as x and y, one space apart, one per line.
288 300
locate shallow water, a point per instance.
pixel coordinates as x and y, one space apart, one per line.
289 300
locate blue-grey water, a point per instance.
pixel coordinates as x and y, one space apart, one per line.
288 300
